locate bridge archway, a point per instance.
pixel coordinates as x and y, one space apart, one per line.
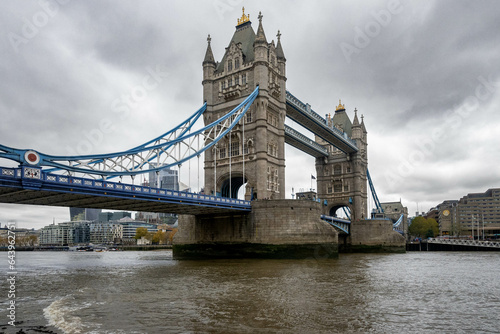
340 210
230 186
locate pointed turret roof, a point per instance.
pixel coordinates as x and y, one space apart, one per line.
261 36
245 37
355 122
279 49
341 120
363 123
209 56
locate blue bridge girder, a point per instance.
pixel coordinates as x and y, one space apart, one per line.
30 185
342 225
303 114
303 143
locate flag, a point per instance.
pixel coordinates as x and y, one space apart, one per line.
312 177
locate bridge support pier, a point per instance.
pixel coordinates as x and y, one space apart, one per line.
274 229
373 236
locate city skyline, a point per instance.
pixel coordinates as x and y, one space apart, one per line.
423 75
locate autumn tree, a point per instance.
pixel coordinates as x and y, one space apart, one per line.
424 228
141 232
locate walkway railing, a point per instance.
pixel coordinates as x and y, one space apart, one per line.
465 242
35 175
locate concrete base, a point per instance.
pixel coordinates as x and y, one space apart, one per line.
274 229
373 236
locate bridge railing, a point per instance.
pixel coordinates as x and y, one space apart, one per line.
465 242
306 108
73 181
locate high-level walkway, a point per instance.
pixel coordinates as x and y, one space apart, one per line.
302 113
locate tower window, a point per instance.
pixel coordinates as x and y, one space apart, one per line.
229 65
337 187
235 148
337 170
222 152
249 116
244 79
237 64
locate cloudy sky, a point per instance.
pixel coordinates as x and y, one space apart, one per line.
425 75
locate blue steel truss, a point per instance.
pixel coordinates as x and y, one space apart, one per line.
170 149
16 184
374 194
343 225
398 225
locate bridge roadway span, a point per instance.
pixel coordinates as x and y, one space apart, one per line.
305 116
29 185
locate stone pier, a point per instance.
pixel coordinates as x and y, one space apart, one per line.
274 229
373 236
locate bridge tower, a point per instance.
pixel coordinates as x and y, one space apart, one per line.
254 151
341 177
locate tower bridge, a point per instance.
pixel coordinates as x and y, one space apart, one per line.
242 142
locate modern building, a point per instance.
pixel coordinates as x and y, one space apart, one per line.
106 232
165 178
130 227
479 213
76 214
113 216
447 218
67 233
476 214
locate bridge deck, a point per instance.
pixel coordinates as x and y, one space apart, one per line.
25 186
302 114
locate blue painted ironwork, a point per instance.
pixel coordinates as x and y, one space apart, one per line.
327 133
34 178
343 225
347 212
374 194
398 225
171 149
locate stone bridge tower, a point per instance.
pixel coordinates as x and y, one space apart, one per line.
257 154
341 177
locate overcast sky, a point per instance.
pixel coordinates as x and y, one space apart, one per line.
425 75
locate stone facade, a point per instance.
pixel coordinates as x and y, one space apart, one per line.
256 146
341 177
274 229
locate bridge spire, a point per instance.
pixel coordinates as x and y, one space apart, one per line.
355 122
279 49
209 56
261 36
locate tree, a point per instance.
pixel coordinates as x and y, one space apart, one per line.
141 232
421 227
159 238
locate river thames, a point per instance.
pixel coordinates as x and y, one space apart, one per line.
149 292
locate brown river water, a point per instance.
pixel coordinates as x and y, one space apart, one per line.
150 292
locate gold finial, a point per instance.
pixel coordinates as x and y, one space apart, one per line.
340 106
244 18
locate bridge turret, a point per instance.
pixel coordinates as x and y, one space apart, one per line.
255 156
208 73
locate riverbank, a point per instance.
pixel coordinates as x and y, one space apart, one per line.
67 248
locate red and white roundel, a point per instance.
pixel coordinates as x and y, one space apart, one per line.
32 157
